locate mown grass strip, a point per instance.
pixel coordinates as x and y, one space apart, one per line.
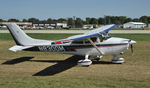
136 37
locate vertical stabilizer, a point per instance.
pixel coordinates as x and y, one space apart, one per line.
18 35
23 39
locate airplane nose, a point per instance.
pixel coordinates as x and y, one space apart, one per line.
132 42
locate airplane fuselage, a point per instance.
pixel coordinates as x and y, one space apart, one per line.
112 45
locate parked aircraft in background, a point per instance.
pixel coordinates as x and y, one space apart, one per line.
94 44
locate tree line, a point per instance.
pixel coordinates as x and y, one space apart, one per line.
78 22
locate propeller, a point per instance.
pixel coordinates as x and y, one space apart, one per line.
131 46
132 49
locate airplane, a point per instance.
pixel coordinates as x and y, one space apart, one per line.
94 44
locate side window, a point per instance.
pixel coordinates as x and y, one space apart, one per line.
78 42
82 42
104 37
94 39
100 38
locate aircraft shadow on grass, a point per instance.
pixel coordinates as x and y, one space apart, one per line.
60 66
17 60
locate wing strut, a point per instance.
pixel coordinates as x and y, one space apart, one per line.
95 46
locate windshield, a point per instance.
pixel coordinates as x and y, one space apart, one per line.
104 37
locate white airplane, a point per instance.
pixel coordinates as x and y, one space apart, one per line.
95 44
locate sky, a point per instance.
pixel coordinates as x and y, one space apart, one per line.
44 9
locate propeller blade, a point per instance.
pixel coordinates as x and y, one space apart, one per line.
132 50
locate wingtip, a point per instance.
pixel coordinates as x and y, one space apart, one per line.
114 26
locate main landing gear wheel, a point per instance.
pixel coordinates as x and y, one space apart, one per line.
86 62
117 60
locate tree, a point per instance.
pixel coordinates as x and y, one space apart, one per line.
79 23
33 20
114 20
24 20
144 19
87 21
148 19
71 22
93 21
128 20
101 21
13 20
1 20
118 20
135 20
122 19
62 20
107 19
49 20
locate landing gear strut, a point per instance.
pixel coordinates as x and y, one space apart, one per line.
97 58
85 62
117 60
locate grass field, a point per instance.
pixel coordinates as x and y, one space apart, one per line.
80 29
17 70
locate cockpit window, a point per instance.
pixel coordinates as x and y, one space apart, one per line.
104 37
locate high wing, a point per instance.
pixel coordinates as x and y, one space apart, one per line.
93 33
97 32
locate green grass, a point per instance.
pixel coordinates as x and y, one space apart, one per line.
52 29
137 37
134 73
129 29
6 36
79 29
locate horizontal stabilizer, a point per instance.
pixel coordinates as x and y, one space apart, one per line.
19 48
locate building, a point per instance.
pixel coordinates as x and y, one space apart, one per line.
18 23
40 24
134 25
21 24
88 26
53 24
148 26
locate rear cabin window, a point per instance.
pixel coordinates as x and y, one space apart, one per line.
94 39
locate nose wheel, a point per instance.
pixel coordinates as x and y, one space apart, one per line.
117 60
85 62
